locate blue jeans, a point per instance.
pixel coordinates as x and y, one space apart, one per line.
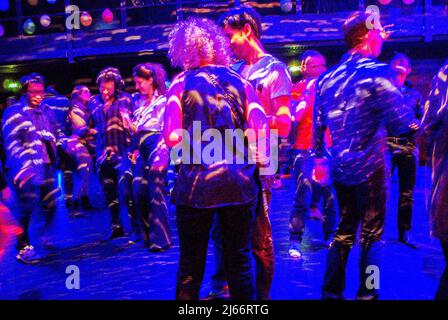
31 196
116 181
305 188
149 195
236 225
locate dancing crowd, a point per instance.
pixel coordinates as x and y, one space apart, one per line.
346 124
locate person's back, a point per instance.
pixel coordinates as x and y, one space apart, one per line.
359 99
204 104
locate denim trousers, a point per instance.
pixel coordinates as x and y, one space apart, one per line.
364 206
305 191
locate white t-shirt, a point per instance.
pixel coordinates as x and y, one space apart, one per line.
270 79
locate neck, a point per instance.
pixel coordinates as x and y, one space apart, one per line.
148 96
256 52
109 102
363 50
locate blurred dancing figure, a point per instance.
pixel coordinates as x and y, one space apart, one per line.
31 137
435 127
313 64
153 157
111 112
60 106
356 100
404 151
81 144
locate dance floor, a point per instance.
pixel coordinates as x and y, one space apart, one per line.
115 270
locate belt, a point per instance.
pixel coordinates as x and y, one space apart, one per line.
396 140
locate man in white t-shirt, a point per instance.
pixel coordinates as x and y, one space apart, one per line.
272 83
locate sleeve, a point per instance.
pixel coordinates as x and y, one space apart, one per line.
280 81
436 105
398 116
57 128
319 124
79 129
13 128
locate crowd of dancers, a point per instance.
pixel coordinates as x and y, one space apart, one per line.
344 122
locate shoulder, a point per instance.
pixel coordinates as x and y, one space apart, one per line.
13 110
135 96
229 71
124 97
94 103
442 74
274 64
160 101
178 82
94 100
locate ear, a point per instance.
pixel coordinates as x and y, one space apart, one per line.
247 30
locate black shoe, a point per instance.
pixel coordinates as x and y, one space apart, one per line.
406 239
76 204
85 204
115 233
69 203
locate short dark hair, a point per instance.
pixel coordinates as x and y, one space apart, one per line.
237 18
77 91
111 74
31 78
355 28
401 57
310 53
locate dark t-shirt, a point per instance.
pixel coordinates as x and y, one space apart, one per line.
206 178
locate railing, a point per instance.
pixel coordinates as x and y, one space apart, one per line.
129 13
142 27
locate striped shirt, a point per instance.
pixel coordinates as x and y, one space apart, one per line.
30 136
112 129
60 106
148 116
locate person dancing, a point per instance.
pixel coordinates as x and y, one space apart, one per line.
152 161
357 100
435 128
208 95
109 110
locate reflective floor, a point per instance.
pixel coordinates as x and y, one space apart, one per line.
115 270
